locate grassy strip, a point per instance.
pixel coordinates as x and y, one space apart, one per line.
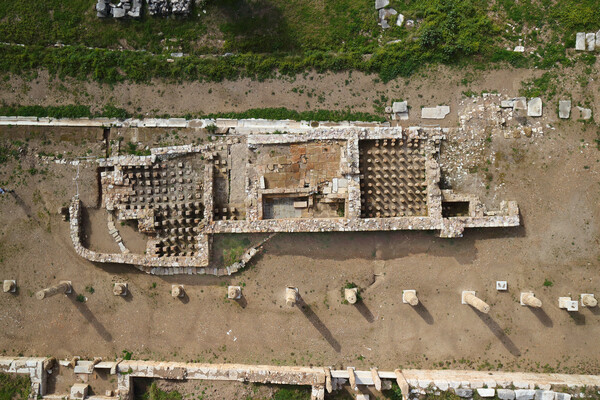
284 113
80 111
14 387
155 393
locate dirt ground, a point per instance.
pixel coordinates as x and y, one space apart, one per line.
554 177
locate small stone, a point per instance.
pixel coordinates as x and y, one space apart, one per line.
400 20
381 3
564 109
9 286
506 394
464 392
580 41
519 49
534 107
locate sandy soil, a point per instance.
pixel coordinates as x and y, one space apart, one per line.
554 180
340 91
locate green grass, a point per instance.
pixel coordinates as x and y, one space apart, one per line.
292 393
155 393
284 113
544 86
270 37
15 387
79 111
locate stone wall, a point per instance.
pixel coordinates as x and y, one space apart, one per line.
466 384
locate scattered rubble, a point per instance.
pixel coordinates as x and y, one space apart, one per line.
384 15
167 7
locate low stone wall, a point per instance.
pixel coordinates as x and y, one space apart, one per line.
466 384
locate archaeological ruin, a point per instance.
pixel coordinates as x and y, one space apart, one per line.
336 178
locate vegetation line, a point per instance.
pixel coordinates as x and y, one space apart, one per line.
109 111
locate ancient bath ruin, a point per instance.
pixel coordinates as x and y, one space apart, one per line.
262 180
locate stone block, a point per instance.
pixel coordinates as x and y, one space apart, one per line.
466 393
486 392
79 391
563 396
507 103
590 41
400 107
580 41
520 103
534 107
544 395
564 109
506 394
9 286
438 112
118 12
521 384
519 49
524 394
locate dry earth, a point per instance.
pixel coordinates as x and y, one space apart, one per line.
554 177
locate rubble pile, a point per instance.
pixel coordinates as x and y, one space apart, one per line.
133 8
481 119
168 7
125 8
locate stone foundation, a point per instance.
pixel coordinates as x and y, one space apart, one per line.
505 385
